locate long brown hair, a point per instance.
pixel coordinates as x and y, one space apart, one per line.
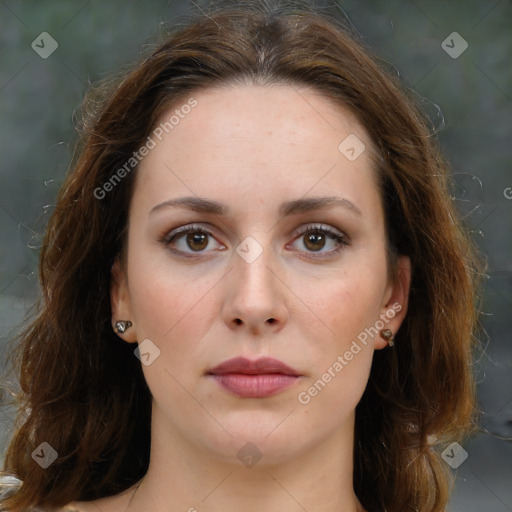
83 391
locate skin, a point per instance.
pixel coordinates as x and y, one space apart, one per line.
252 148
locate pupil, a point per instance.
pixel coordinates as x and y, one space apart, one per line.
197 238
317 240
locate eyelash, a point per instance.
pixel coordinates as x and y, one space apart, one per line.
340 238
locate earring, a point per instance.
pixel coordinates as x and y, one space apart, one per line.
388 336
121 326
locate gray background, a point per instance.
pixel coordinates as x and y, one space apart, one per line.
469 99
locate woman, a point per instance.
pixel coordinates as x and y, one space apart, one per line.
257 294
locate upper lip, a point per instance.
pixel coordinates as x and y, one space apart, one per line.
262 366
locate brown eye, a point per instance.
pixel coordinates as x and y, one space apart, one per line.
190 241
197 241
314 241
318 241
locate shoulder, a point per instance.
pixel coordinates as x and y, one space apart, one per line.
10 484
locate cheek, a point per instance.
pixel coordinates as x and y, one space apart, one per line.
340 362
175 311
162 295
347 303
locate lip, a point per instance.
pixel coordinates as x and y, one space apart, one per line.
254 379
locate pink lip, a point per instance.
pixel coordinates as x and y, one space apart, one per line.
254 379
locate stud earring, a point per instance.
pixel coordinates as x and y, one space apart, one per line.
388 336
121 326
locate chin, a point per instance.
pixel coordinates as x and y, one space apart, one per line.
257 435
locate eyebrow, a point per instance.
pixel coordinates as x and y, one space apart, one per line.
303 205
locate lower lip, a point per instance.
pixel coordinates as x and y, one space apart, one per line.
255 386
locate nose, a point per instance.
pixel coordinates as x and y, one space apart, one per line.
255 296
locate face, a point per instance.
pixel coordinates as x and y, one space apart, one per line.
265 268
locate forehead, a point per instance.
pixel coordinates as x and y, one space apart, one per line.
286 113
253 143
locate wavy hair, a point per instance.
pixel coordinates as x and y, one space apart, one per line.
81 389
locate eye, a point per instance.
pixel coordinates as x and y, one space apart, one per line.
188 240
315 238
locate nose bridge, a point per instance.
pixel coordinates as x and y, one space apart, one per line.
255 296
253 277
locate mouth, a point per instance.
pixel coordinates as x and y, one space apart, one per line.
254 379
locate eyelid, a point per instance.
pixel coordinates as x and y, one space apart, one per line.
173 233
315 226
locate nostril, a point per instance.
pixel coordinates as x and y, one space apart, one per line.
238 321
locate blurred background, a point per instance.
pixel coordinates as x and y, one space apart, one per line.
456 56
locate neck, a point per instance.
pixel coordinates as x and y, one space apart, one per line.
185 476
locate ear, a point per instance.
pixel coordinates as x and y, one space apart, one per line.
120 301
396 300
